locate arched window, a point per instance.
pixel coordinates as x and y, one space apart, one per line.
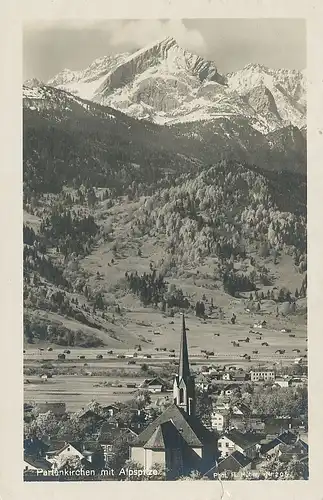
181 396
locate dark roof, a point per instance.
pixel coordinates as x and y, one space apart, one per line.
234 462
189 427
299 449
201 378
286 438
39 463
51 406
277 425
113 406
230 386
34 447
88 413
91 447
270 445
154 381
244 440
58 446
109 434
243 407
165 436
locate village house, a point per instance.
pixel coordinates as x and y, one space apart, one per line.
287 452
229 389
32 464
262 375
177 439
240 377
109 438
283 381
227 376
153 385
110 410
58 451
297 382
59 409
220 419
277 425
87 414
246 443
35 447
232 466
241 409
271 447
202 382
225 417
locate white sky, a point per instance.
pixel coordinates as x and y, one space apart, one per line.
50 47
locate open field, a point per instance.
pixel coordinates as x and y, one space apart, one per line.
78 391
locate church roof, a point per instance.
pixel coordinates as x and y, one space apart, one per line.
165 436
186 426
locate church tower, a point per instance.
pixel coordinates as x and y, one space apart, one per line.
184 386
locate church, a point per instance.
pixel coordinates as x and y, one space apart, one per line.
177 439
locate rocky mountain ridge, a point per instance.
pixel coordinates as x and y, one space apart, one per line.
166 84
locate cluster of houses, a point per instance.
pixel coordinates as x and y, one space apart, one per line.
235 441
47 454
205 379
247 453
244 441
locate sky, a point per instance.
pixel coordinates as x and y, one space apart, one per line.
51 46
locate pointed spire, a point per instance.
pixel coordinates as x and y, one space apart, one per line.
184 368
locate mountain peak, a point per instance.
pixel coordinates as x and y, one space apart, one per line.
256 67
32 82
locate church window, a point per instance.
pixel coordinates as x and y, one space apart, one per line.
181 396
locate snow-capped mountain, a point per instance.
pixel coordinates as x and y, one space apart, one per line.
280 93
166 84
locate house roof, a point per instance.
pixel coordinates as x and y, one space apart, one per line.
34 446
39 463
230 387
153 381
189 427
112 406
51 406
276 425
223 411
270 445
232 461
56 447
295 449
243 408
201 378
285 438
88 413
244 440
109 434
91 447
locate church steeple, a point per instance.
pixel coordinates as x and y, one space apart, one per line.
184 387
184 367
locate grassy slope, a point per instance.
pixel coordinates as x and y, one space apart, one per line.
138 323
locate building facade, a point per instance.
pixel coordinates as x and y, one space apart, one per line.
262 375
